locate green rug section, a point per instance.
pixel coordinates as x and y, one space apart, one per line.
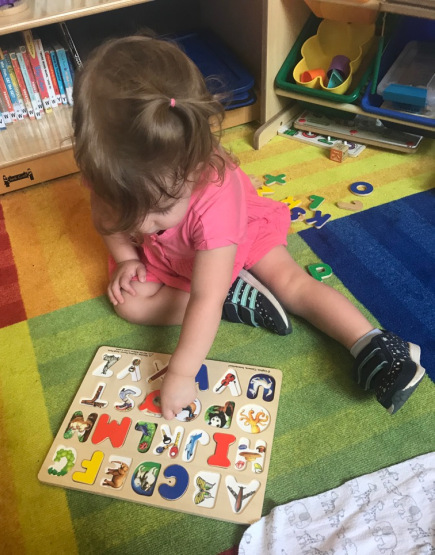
327 430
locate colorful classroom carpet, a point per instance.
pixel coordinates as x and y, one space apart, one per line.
54 316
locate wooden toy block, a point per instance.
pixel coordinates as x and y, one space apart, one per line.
211 460
339 152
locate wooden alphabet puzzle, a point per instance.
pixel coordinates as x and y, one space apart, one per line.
211 460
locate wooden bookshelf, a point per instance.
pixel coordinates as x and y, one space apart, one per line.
35 151
45 12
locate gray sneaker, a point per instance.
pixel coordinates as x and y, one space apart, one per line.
391 367
250 302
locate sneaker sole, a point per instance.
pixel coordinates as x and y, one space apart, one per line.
251 280
402 396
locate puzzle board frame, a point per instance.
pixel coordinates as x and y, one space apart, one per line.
111 421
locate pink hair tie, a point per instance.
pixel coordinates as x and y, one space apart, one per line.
172 104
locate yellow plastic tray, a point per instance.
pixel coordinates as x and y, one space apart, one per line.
333 38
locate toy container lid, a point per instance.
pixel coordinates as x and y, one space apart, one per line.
221 68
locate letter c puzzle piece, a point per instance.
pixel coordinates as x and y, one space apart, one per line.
178 489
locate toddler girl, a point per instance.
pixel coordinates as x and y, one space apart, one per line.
186 230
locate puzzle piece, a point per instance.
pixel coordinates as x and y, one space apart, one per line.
354 205
318 220
271 179
320 271
265 190
316 201
361 188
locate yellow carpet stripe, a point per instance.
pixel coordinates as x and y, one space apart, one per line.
9 516
28 437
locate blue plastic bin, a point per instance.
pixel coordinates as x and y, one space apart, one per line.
409 28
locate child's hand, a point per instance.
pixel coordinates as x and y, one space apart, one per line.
121 279
176 393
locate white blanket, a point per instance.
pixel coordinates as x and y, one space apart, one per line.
388 512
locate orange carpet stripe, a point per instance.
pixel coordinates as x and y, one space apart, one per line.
90 261
36 286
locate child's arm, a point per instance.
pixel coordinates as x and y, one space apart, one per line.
211 281
123 252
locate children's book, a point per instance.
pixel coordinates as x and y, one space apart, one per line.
64 67
211 460
10 110
15 83
56 68
37 70
40 53
29 79
16 113
53 76
22 85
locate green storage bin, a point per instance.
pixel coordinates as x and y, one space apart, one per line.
284 79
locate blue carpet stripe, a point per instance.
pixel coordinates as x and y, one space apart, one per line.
386 257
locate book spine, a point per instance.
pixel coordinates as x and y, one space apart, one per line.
15 83
29 79
52 76
40 53
66 73
22 84
37 70
70 44
18 113
10 112
57 72
2 122
4 111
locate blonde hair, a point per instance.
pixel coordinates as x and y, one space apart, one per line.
141 119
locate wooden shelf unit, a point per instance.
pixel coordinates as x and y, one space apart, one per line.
282 25
35 151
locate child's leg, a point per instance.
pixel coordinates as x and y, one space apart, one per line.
383 361
302 295
154 304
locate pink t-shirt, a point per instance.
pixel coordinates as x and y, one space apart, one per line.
218 215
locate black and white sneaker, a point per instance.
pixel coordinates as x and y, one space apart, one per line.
391 367
250 302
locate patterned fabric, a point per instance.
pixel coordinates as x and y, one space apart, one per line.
387 512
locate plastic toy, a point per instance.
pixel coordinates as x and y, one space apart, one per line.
361 188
